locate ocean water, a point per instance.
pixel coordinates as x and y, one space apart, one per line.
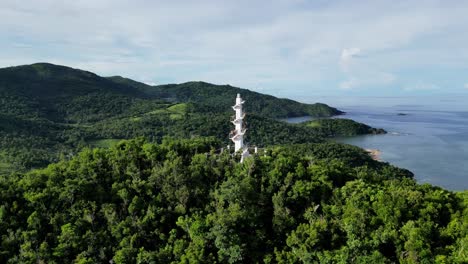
431 139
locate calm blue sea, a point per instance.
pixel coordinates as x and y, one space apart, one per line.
431 140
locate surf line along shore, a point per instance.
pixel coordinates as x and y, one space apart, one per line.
374 153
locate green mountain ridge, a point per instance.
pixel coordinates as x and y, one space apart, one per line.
54 92
218 97
48 111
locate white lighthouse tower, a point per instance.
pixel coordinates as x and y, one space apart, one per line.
237 135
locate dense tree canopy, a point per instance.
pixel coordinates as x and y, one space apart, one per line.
218 98
183 201
341 127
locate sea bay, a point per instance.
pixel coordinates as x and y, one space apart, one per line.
428 136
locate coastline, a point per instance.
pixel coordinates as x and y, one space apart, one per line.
374 153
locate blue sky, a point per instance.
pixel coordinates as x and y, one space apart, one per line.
284 47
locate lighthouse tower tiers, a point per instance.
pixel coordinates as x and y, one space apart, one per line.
237 135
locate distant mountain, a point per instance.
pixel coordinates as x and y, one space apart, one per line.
59 93
48 81
65 94
131 83
220 97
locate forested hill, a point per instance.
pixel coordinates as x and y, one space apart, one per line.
183 202
64 94
48 111
219 97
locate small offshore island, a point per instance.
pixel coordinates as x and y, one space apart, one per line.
341 127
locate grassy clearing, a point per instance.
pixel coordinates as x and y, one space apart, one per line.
314 124
175 112
178 108
175 116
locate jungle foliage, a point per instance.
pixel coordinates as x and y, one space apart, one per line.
185 198
183 201
48 112
341 127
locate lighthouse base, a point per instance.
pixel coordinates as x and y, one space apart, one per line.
244 155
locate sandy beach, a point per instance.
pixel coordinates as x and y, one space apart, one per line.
375 154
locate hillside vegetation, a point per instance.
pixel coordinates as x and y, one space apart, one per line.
341 127
48 112
183 202
174 194
218 98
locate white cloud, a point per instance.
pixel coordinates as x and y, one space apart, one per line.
465 86
298 43
347 56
